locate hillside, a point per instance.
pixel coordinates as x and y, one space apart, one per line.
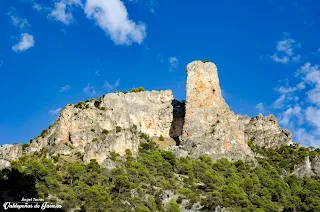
145 151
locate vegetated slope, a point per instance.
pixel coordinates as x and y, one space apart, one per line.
157 181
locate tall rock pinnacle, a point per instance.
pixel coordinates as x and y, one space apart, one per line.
210 126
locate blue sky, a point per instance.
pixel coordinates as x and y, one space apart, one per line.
57 52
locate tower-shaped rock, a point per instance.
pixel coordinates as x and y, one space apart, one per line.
210 126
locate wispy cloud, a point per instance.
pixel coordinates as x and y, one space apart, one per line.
148 4
89 90
61 13
1 63
160 58
112 17
300 111
110 87
16 20
173 62
317 53
26 42
65 88
260 107
54 112
285 48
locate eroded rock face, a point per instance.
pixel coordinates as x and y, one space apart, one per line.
210 126
109 123
9 152
315 164
304 169
265 131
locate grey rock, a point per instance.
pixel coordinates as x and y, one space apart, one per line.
4 164
109 123
178 151
304 169
203 125
210 126
166 196
9 152
265 131
315 164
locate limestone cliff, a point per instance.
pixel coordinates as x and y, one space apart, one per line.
210 126
265 131
204 124
110 123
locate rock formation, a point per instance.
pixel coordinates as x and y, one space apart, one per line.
265 131
308 168
210 127
110 123
113 123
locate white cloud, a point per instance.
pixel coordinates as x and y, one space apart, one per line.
289 114
173 61
54 112
16 20
26 42
160 58
37 7
61 13
284 59
65 88
307 138
286 48
311 76
303 119
110 87
317 53
90 90
313 116
260 107
112 17
279 102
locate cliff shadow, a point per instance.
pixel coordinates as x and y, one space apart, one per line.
176 128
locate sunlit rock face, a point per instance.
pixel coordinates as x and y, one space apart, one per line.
204 124
110 123
265 131
210 127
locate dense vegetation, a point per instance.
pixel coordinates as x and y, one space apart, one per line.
139 182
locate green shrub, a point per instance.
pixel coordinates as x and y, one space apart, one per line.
24 146
161 138
173 206
43 133
206 61
95 140
80 105
118 129
103 108
104 131
136 90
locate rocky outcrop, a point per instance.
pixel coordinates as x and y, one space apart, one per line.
315 164
113 123
110 123
304 169
9 152
308 168
265 131
210 126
